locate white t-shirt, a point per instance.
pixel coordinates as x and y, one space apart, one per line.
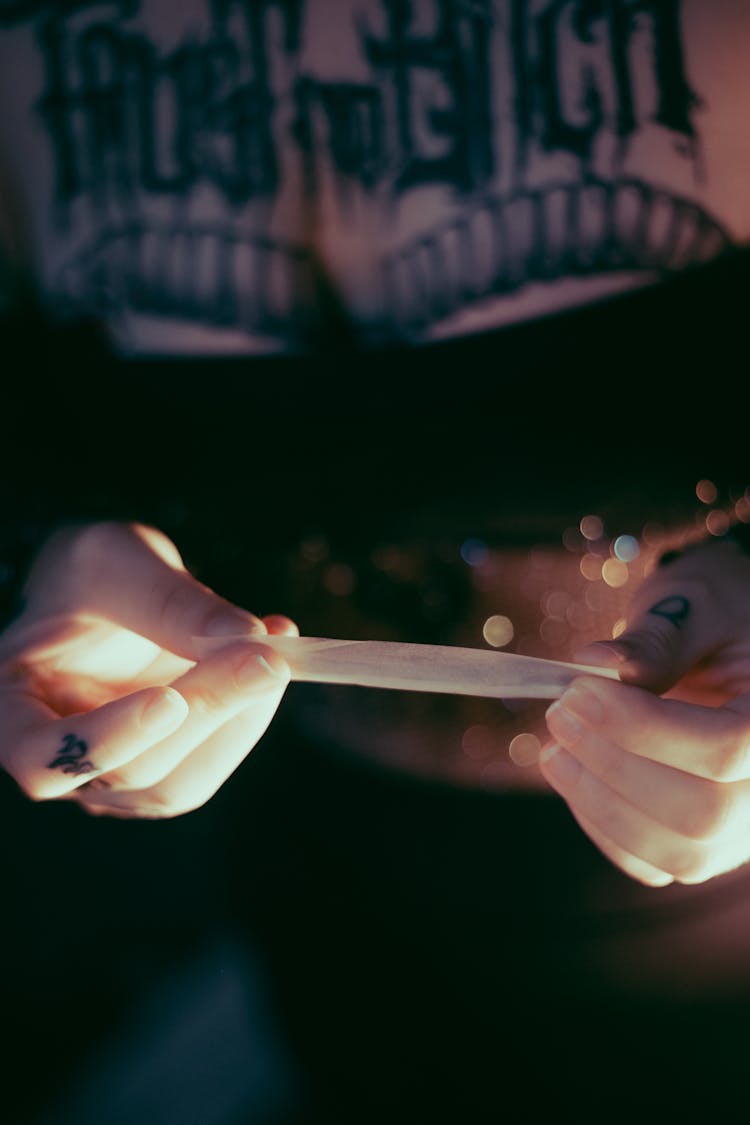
206 177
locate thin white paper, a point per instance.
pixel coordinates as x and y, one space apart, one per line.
417 667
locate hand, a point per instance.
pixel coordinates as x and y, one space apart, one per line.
662 785
103 696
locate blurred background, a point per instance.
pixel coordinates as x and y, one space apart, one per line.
382 915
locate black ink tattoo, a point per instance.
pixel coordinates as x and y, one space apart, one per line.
674 609
70 757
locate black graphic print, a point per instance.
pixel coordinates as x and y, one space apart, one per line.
461 96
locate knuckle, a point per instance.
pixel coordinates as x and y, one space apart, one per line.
205 700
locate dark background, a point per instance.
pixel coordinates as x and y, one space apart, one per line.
401 950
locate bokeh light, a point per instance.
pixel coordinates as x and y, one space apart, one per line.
474 551
615 573
652 533
339 580
478 742
626 548
717 522
498 630
591 568
555 603
591 527
706 491
525 749
571 539
314 549
596 596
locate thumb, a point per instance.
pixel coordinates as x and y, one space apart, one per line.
661 642
133 576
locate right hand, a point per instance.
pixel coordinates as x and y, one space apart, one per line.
662 785
105 696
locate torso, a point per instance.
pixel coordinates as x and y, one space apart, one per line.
194 174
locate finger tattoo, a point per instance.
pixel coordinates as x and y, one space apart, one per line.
71 757
674 609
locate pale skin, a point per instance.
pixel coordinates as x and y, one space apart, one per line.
656 770
105 698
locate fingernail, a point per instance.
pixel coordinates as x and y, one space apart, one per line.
563 724
601 654
228 624
550 752
584 704
165 710
249 668
270 669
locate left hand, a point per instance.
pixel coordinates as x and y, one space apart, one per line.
107 696
661 783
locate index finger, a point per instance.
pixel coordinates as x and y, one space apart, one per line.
133 576
709 742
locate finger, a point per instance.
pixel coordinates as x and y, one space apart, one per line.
215 690
636 868
690 806
132 575
674 623
198 776
629 829
50 758
280 626
709 742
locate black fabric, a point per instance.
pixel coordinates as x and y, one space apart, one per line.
432 951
